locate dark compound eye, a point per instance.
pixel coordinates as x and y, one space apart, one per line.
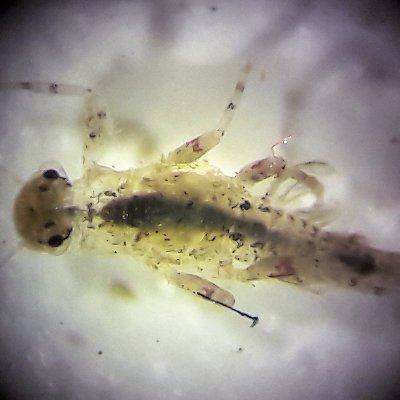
51 174
55 241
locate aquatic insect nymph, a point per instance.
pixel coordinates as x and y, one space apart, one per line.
192 222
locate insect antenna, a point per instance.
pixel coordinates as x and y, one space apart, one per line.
241 313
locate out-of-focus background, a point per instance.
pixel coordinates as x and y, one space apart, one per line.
80 326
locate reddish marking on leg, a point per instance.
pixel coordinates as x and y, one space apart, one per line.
257 164
284 268
195 145
208 291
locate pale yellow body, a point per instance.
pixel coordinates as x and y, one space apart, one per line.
213 227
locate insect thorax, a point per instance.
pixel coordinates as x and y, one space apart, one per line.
171 214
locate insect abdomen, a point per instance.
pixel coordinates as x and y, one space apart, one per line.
151 210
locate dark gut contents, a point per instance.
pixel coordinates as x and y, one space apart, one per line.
152 210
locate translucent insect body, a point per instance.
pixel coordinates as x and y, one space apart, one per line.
193 223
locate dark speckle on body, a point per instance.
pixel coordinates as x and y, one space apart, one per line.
362 264
245 205
264 209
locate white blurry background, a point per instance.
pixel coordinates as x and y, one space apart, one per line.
81 326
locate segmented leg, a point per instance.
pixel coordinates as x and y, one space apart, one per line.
98 121
47 87
272 267
315 167
197 147
298 175
276 167
294 183
208 291
265 168
261 169
98 130
198 285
